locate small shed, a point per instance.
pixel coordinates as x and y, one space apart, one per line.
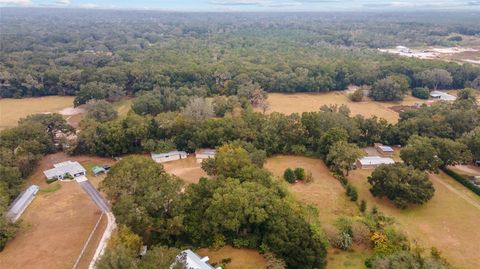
202 154
372 162
21 203
384 150
169 156
97 170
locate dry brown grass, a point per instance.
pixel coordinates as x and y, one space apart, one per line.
11 110
241 258
448 221
325 191
187 169
57 223
307 102
55 227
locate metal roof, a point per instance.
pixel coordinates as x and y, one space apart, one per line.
63 168
443 96
195 262
168 154
386 148
375 160
21 202
206 151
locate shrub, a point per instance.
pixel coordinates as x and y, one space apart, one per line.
360 233
421 92
289 175
352 192
299 173
363 206
356 96
51 180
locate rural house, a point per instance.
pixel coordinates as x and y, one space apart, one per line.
372 162
443 96
21 203
191 260
202 154
64 169
384 150
169 156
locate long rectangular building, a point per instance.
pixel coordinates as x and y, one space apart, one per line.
21 203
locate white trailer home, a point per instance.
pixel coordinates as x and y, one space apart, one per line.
21 203
169 156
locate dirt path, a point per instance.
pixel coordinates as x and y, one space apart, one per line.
467 199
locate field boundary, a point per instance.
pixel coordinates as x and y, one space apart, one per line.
87 242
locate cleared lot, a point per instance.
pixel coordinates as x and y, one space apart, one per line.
187 169
11 110
240 258
307 102
449 221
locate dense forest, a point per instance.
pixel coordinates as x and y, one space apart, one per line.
57 52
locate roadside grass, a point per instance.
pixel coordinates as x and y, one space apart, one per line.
11 110
447 222
288 103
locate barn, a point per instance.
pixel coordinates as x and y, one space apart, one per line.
169 156
372 162
202 154
21 203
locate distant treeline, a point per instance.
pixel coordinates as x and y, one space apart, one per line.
139 51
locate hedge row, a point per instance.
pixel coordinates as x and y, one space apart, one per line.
462 180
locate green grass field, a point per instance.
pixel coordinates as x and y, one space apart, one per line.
448 221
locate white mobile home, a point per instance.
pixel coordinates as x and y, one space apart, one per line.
384 150
202 154
443 96
372 162
21 203
62 170
169 156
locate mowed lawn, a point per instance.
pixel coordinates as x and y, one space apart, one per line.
288 103
11 110
449 221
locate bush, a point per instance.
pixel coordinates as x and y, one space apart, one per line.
462 180
51 180
299 173
421 92
289 175
308 177
360 233
352 192
356 96
363 206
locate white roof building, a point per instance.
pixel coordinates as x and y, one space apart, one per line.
374 161
442 96
21 203
202 154
193 261
75 169
169 156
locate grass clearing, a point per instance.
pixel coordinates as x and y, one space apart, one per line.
288 103
187 169
354 259
241 258
325 192
123 106
11 110
448 221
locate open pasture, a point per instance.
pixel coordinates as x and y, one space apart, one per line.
241 258
448 221
288 103
11 110
325 192
187 169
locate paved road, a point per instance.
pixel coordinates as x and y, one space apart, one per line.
96 197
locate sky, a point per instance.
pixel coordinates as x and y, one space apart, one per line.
253 5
